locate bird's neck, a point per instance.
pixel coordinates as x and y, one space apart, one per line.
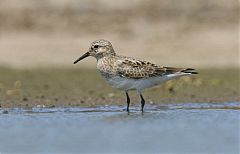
105 55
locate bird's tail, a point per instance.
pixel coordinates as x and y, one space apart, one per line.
189 70
172 70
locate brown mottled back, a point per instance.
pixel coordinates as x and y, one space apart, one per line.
135 68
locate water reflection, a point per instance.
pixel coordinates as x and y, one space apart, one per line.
191 128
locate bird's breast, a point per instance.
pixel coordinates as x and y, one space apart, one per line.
106 66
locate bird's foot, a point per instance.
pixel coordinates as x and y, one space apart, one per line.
126 109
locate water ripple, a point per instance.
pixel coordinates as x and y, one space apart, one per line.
106 108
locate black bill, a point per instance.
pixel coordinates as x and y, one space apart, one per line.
82 57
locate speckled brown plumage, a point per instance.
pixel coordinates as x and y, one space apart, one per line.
136 68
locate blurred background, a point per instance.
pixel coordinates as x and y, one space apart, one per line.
53 33
40 39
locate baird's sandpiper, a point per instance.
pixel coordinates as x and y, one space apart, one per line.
126 73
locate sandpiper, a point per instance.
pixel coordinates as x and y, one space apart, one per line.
126 73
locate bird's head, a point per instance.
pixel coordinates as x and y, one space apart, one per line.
98 49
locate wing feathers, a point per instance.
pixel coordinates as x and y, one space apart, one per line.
135 68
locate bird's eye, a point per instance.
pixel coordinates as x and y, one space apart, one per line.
96 46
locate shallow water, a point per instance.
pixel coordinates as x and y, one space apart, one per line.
175 128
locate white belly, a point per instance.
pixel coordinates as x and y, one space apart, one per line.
139 84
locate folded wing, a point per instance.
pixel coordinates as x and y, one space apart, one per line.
137 69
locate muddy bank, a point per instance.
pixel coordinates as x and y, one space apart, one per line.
84 87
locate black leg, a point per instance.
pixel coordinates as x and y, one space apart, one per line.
142 102
128 101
